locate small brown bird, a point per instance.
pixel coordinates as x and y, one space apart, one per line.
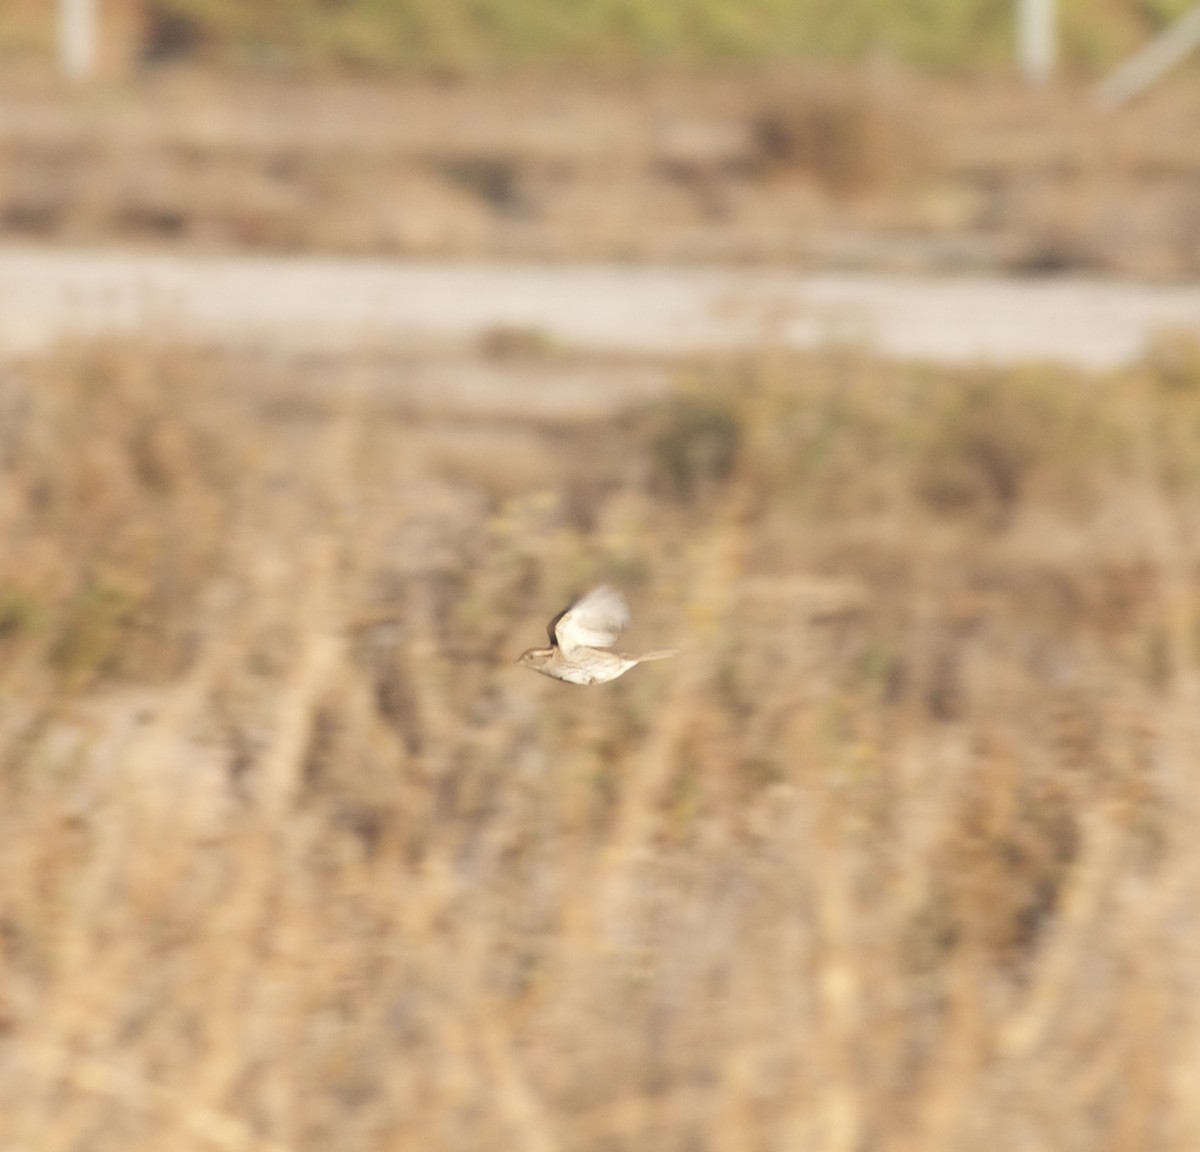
581 640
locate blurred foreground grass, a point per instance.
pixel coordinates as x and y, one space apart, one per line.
900 854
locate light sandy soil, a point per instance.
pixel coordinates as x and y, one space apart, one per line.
329 304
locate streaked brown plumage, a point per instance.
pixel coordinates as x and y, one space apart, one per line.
581 640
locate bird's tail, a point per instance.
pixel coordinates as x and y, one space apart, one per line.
661 654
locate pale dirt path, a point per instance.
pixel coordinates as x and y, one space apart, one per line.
331 304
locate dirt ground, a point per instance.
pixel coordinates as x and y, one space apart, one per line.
878 171
319 304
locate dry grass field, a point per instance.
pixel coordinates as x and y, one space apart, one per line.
900 854
876 169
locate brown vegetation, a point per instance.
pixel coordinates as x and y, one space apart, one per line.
821 170
900 854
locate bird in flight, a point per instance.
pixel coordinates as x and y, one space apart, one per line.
581 640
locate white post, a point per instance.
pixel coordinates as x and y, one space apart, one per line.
77 38
1160 55
1036 39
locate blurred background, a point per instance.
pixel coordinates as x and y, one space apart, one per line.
343 341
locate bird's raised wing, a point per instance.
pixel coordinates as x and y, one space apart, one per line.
593 621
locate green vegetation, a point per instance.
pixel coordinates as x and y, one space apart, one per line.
482 36
944 36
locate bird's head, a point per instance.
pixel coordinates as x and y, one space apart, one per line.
535 658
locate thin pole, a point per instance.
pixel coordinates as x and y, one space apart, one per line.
77 38
1036 39
1161 54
